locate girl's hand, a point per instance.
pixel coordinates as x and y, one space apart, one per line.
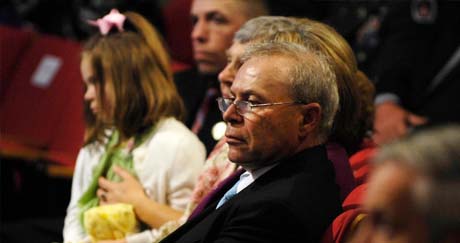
129 190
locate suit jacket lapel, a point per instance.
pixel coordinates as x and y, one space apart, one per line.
217 193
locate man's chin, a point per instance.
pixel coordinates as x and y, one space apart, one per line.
239 158
208 69
234 156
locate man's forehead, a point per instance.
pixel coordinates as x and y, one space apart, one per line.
219 6
247 73
259 71
273 66
389 182
236 49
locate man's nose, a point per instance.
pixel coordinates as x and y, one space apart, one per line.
227 75
231 115
200 31
89 93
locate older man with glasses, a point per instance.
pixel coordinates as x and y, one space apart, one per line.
279 114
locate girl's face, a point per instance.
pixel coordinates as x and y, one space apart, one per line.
101 102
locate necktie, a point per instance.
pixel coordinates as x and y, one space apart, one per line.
229 194
233 191
200 118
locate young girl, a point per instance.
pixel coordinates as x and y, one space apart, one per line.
136 108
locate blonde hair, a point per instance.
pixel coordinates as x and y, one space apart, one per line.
264 28
349 128
135 65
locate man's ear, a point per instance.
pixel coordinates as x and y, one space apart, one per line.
311 114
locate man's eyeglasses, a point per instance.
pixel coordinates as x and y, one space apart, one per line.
243 107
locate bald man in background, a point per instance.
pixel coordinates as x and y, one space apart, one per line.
214 24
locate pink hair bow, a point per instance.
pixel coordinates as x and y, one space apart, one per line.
114 18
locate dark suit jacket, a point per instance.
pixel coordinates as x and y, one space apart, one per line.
192 89
413 53
293 202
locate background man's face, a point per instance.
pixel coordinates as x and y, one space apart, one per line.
392 214
214 24
265 134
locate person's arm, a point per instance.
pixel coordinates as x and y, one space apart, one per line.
73 231
168 167
182 174
392 122
402 41
130 191
112 241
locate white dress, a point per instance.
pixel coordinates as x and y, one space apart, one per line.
167 165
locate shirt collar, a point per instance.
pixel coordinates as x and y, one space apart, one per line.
248 177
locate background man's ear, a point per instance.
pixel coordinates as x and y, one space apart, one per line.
311 118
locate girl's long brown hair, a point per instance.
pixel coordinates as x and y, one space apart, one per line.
135 67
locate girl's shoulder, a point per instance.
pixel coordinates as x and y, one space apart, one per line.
171 127
171 133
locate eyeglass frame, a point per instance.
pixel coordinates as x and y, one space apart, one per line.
248 104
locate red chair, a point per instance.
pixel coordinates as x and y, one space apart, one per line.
13 43
346 222
361 162
42 112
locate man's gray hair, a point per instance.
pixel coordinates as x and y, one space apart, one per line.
263 27
312 78
435 156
